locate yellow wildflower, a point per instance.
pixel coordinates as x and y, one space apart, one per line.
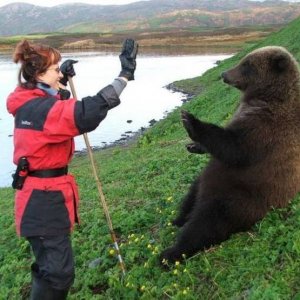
142 288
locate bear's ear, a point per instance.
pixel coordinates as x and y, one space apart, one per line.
279 62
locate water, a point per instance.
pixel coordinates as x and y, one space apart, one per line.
143 99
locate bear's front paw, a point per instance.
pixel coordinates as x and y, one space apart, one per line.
196 148
170 256
190 124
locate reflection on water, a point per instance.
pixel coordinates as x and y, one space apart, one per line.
143 99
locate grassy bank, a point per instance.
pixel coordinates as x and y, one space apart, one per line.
144 183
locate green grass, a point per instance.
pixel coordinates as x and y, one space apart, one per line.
144 183
34 36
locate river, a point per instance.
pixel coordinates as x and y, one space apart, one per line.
144 99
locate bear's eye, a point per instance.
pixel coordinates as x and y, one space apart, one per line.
247 69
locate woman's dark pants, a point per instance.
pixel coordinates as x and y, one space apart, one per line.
53 269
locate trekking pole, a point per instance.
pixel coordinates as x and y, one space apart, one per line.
99 186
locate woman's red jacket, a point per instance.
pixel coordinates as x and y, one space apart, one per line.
44 130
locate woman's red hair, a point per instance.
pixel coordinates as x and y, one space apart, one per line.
35 59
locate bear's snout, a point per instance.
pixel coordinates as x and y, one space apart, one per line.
231 77
224 76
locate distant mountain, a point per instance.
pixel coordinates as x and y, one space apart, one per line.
21 18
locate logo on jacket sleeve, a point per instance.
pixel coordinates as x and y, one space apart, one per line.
33 114
26 123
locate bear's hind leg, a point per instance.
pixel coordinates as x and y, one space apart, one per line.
187 205
208 225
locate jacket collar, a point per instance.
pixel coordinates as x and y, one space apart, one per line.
45 87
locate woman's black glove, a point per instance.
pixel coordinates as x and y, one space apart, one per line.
64 94
127 58
67 70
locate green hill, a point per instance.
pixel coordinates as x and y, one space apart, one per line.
143 15
144 183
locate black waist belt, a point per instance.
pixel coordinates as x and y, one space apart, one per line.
48 173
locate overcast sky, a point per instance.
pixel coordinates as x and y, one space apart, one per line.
57 2
102 2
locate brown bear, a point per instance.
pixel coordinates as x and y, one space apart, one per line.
255 159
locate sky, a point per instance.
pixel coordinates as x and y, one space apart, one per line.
57 2
100 2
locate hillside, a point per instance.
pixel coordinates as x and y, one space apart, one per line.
144 183
21 18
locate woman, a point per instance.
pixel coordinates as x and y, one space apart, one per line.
46 202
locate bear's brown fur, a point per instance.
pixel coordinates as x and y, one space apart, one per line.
255 162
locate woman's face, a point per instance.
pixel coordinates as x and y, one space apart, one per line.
51 76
